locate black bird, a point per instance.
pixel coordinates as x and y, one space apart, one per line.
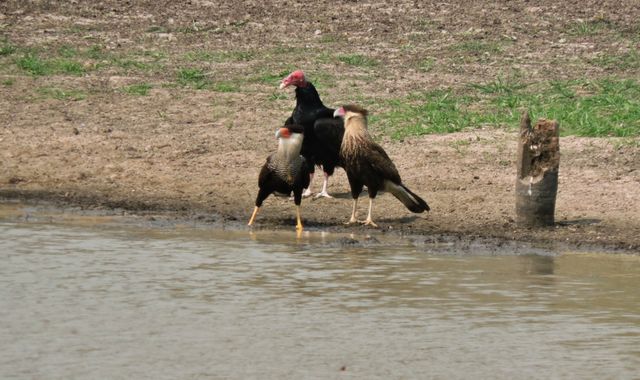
285 171
322 131
367 164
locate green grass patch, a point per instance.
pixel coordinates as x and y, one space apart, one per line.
65 66
239 55
156 55
6 48
138 61
191 77
425 113
34 65
321 79
358 60
271 77
61 94
426 64
225 87
95 52
605 107
624 61
130 64
67 51
588 28
8 82
140 89
71 60
220 56
499 86
278 95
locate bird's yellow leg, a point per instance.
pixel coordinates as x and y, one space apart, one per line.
299 224
253 216
353 212
368 221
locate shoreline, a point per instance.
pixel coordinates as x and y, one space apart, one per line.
165 214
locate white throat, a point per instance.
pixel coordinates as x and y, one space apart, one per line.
290 148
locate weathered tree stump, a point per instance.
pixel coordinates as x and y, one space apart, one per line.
538 163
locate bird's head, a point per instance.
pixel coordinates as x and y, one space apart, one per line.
351 111
288 130
290 140
296 78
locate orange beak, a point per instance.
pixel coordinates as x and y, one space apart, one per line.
284 133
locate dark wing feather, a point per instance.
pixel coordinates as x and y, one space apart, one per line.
266 173
326 150
381 163
323 150
329 133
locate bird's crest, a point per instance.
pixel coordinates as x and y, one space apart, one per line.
356 109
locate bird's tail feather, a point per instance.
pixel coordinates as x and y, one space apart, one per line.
410 199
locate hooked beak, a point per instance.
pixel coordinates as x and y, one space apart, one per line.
283 133
295 78
339 112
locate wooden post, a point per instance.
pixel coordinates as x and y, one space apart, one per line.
538 163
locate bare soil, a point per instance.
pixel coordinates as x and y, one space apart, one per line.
200 151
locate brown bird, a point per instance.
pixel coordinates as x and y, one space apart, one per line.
285 171
367 164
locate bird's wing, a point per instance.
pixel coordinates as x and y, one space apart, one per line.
266 172
381 163
329 133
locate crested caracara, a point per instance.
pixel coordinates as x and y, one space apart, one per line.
285 171
366 163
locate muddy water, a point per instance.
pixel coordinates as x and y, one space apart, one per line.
93 299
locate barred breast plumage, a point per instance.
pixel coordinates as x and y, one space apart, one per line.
286 168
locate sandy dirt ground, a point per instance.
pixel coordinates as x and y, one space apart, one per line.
199 151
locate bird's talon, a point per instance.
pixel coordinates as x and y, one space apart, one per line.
369 223
322 194
351 221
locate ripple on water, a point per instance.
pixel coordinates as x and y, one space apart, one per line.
112 301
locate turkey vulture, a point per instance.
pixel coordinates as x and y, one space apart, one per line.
322 131
285 171
366 163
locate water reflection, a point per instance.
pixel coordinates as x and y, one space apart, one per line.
540 265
